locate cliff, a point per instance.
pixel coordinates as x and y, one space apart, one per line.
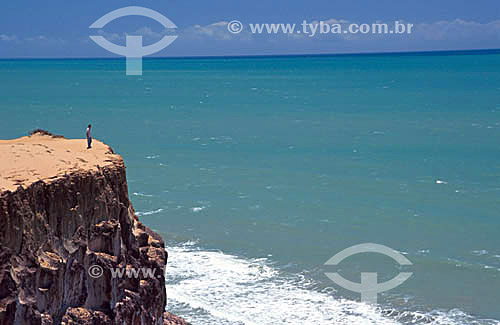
66 227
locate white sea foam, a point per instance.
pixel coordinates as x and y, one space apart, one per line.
141 194
229 290
147 213
210 287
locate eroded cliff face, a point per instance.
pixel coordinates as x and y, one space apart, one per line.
53 232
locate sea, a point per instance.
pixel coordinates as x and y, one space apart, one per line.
257 170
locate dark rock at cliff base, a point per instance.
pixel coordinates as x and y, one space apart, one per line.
171 319
62 237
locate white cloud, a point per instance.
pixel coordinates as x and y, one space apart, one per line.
438 35
111 36
147 32
454 30
36 38
7 38
457 29
215 31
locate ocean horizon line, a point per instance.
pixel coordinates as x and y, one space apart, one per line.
263 56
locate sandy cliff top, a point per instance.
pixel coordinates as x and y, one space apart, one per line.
26 160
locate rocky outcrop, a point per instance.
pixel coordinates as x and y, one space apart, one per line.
63 242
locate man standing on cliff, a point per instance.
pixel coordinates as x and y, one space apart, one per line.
89 137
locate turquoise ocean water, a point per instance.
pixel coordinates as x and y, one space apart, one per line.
257 170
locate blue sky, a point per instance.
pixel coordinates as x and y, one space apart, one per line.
59 28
